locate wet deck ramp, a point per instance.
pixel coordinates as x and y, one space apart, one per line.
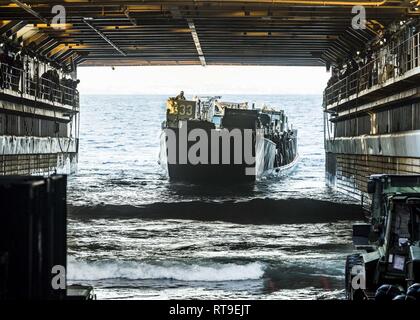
257 211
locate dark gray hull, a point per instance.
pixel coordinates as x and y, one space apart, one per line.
268 159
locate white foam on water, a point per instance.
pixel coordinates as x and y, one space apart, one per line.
83 270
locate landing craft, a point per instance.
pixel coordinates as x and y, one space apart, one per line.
209 140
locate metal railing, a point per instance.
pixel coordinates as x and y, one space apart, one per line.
390 63
21 82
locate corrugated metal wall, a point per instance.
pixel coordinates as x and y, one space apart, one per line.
397 119
349 172
416 117
401 118
16 125
363 125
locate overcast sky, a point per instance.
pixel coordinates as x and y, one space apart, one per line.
201 80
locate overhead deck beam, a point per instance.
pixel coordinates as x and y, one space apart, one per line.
29 10
234 32
196 40
103 36
12 28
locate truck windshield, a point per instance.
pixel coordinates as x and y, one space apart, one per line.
402 184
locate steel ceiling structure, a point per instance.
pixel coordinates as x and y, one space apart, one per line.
200 32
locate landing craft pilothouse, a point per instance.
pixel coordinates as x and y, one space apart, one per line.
205 139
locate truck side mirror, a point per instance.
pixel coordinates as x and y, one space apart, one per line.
361 233
371 186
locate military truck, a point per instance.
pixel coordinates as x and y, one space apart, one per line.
390 242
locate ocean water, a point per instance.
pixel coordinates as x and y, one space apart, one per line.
135 235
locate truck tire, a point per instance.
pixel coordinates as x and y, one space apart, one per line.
351 261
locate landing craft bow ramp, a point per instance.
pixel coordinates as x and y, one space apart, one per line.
270 32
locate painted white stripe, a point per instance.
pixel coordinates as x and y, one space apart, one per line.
14 145
404 144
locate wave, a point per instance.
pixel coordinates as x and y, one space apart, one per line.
115 273
132 270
